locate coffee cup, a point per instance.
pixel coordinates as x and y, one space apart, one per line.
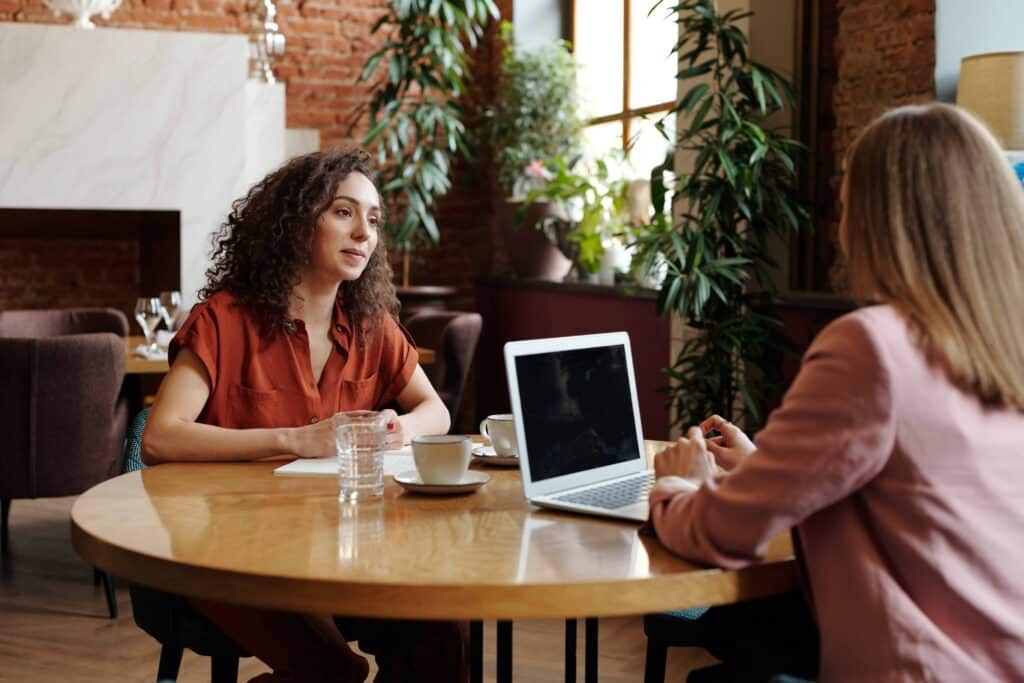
442 459
500 430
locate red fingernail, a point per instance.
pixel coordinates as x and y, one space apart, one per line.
391 426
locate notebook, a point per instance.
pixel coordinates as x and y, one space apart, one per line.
394 462
578 429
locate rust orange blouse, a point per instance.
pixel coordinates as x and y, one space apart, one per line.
268 382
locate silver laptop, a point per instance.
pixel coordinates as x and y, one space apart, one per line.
578 429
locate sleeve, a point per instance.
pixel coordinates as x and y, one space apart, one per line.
200 334
833 433
399 359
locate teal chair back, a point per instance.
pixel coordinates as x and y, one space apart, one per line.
169 618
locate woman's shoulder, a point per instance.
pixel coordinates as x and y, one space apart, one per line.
878 334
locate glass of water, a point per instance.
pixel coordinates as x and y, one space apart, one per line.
360 436
148 313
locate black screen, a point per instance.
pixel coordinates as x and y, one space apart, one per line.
577 410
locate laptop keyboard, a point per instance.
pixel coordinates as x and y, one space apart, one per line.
613 495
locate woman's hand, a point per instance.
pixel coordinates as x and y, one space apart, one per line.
688 458
313 441
732 446
396 432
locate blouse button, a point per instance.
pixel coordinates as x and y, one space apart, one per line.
312 420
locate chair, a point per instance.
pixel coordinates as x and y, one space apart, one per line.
681 628
453 335
169 618
61 413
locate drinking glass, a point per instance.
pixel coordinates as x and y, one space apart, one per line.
170 304
148 313
360 437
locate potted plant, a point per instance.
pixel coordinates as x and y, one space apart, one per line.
415 120
740 190
588 209
535 120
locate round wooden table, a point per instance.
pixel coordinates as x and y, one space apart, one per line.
237 533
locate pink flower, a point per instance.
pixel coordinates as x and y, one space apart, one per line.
536 169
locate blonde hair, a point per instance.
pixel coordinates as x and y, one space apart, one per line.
934 225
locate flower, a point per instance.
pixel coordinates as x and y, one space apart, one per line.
536 169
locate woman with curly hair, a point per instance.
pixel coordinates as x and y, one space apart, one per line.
297 323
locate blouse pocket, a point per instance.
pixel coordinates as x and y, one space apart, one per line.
360 394
254 408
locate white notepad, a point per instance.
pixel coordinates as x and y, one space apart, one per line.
394 462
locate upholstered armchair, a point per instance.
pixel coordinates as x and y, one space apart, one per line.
61 416
453 336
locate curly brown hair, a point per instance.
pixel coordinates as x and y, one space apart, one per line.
268 236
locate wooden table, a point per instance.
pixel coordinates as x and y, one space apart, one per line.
237 533
137 365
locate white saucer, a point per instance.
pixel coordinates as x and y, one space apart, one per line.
410 481
485 455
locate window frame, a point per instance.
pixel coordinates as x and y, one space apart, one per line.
625 115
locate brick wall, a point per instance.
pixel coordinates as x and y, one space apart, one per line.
886 57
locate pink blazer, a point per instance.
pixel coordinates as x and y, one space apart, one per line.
907 495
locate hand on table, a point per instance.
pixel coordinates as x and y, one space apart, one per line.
732 446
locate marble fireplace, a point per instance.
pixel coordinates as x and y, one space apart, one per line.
126 143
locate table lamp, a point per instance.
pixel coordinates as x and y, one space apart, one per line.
992 88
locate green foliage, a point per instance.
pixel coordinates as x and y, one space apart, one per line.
536 114
741 190
592 203
415 122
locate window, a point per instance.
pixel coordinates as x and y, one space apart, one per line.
627 76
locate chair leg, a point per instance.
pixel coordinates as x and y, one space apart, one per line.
108 588
654 666
170 662
223 669
570 651
97 576
5 512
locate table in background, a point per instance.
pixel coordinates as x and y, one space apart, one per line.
237 533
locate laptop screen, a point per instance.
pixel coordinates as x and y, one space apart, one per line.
577 410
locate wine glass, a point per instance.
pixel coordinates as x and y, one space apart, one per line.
170 304
148 312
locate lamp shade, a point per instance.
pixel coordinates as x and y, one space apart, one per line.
992 88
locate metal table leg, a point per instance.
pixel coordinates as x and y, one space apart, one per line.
590 672
504 652
570 651
476 652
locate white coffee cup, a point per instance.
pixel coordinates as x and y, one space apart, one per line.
442 459
500 430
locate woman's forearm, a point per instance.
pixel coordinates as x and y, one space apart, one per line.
429 417
175 440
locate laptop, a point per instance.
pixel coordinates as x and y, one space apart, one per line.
581 446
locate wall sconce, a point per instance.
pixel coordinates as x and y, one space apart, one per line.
266 42
992 88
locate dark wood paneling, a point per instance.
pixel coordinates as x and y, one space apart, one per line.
514 310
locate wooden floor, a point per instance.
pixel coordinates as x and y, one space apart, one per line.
54 625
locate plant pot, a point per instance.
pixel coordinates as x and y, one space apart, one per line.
531 253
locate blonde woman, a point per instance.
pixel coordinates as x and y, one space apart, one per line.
898 453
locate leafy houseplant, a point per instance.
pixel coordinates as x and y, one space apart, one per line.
536 113
741 190
415 122
590 207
